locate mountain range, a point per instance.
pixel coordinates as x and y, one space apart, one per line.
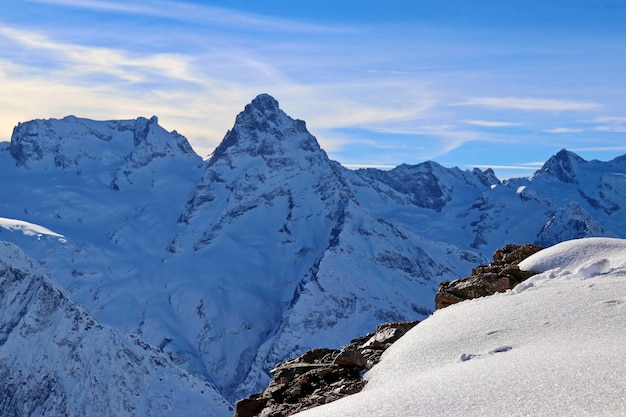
223 267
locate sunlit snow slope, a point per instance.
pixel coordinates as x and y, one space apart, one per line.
553 346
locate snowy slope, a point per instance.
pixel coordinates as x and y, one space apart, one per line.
553 346
268 248
55 359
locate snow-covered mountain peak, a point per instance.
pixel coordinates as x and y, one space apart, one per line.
428 185
266 155
487 177
76 143
264 108
564 166
264 130
66 143
265 104
149 134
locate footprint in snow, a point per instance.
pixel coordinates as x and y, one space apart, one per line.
611 303
499 349
464 357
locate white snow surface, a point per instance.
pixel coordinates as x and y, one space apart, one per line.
553 348
28 229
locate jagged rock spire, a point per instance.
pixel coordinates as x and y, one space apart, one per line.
263 129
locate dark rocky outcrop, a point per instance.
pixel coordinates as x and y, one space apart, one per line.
500 275
321 376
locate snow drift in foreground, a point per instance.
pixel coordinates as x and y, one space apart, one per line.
553 346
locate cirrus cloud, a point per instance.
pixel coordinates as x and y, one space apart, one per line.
491 123
531 104
563 130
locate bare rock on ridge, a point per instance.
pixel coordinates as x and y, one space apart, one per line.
320 376
500 275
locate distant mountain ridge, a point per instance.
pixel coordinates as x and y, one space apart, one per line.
232 264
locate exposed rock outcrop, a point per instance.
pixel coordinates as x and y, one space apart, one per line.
321 376
500 275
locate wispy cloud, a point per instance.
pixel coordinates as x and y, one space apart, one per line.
609 119
612 129
190 12
359 166
409 142
74 60
558 130
600 149
491 123
530 166
609 124
531 104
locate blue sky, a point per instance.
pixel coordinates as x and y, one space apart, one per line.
502 84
